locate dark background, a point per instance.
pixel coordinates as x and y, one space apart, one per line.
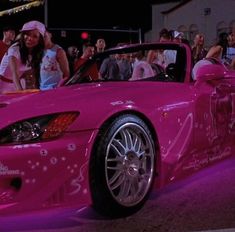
110 18
100 14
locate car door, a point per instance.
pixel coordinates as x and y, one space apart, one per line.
214 118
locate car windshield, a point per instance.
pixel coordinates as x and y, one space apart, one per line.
136 62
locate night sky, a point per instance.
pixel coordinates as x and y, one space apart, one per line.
121 14
100 14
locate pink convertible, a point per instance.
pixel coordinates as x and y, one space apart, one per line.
107 143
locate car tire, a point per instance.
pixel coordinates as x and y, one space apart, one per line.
122 166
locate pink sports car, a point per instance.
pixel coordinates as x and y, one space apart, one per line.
121 126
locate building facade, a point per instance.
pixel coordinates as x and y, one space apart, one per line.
209 17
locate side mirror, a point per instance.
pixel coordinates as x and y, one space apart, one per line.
207 72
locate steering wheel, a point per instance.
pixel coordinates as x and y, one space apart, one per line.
171 72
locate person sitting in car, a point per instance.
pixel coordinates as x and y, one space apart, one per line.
141 68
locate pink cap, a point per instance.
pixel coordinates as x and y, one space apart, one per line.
34 25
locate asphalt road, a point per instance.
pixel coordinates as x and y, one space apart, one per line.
202 202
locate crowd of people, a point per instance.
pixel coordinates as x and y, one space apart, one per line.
222 51
31 60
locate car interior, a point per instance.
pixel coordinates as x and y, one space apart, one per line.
109 64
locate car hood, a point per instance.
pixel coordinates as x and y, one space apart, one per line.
92 100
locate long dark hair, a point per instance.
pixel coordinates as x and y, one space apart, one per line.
223 42
37 52
36 55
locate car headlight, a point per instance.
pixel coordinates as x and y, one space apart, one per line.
38 128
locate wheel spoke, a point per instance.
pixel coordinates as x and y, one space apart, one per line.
115 159
142 153
129 139
134 187
138 144
124 139
117 183
115 177
116 145
125 189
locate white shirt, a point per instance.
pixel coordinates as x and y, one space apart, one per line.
141 69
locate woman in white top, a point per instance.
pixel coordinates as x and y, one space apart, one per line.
141 68
23 58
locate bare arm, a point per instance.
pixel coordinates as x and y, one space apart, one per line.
215 52
63 62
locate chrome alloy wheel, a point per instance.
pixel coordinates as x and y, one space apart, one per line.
129 164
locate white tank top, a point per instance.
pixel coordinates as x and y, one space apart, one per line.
50 72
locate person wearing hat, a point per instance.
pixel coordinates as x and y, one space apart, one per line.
20 65
176 36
